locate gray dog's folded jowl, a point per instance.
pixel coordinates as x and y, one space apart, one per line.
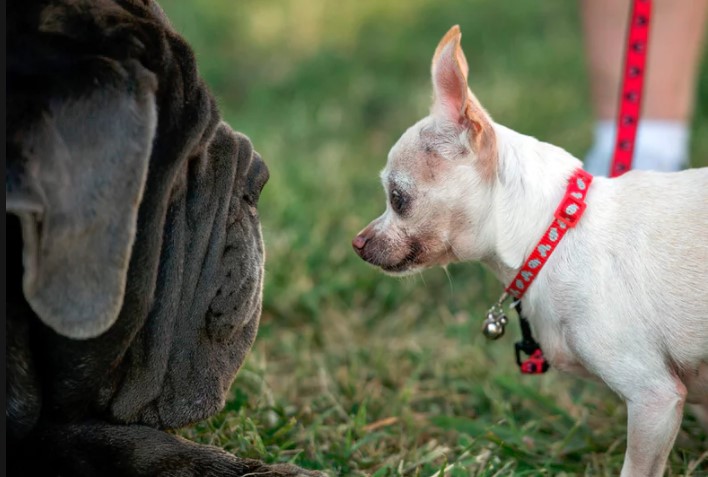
135 259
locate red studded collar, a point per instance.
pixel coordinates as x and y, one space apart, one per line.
567 215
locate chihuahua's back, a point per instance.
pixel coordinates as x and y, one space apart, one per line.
625 295
644 238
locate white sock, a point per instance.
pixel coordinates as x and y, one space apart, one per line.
660 146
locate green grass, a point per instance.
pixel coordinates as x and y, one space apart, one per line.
355 372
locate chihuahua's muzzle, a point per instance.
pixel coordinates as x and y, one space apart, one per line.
394 255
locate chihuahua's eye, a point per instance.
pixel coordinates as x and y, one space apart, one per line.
398 201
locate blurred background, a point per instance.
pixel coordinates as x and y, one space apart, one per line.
353 371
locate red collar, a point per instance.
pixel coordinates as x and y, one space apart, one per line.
566 217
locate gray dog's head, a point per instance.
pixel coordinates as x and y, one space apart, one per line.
135 259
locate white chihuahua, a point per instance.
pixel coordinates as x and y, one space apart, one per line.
624 297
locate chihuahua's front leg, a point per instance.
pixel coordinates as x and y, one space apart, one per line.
654 418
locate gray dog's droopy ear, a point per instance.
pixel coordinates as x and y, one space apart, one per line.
76 171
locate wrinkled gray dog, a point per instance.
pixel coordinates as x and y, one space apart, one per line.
134 254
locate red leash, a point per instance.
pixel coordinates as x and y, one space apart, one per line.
632 87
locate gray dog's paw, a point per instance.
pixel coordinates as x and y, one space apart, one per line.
288 470
100 449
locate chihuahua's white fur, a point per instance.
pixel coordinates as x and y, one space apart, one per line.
623 298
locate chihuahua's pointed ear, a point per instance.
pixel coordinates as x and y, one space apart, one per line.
454 101
449 71
77 166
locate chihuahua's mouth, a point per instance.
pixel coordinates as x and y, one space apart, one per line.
408 264
399 269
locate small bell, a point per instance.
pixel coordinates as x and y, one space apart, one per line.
493 329
494 326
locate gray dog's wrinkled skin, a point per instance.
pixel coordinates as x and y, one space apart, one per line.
135 259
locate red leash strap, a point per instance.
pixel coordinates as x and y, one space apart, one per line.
632 87
567 215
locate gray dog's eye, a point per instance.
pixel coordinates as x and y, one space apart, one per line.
398 201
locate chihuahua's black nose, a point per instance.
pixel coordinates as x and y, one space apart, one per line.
359 243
